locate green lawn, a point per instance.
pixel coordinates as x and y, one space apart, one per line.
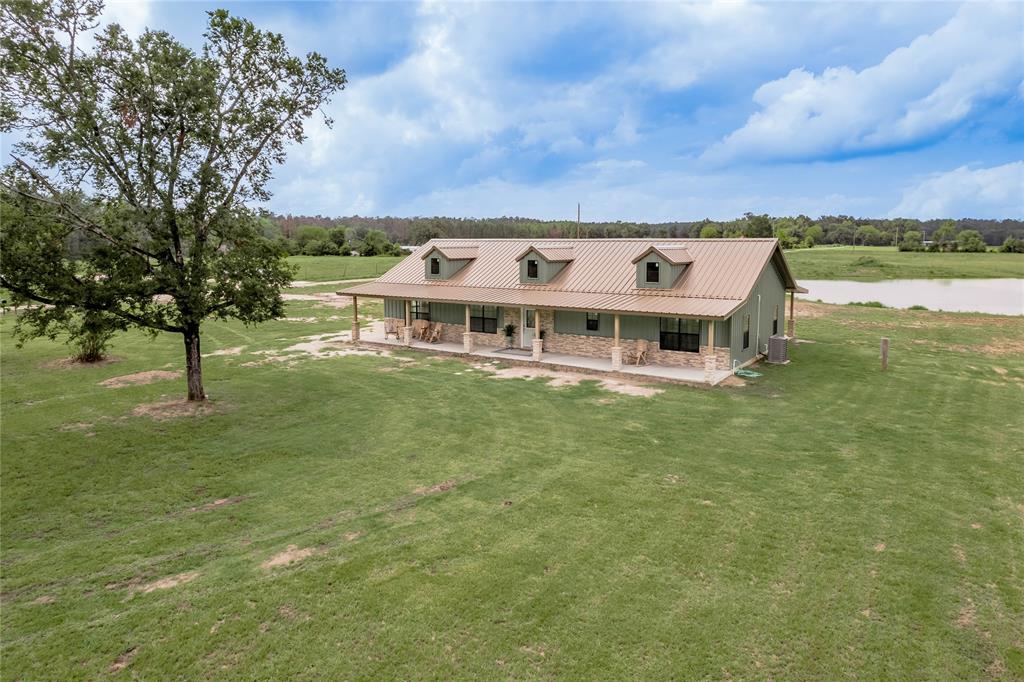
323 268
826 521
885 262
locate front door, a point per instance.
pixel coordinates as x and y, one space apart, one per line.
529 326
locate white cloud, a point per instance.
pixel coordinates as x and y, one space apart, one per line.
132 15
996 192
916 92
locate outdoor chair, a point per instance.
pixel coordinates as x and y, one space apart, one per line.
392 327
640 354
419 329
435 333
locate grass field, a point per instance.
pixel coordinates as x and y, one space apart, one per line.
885 262
324 268
825 521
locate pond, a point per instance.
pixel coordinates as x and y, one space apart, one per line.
996 296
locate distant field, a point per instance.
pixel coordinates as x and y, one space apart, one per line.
885 262
826 521
322 268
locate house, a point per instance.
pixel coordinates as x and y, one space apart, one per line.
707 304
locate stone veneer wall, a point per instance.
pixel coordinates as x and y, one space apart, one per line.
577 344
601 347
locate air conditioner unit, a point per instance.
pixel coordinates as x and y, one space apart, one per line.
778 350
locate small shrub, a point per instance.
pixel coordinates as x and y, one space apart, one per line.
867 262
917 307
867 304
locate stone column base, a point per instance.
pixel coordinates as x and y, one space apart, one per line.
407 335
538 349
467 342
616 358
355 331
710 365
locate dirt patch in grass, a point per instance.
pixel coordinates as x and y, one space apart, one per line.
353 535
560 379
291 555
880 547
169 582
320 346
329 300
75 426
237 350
140 378
959 555
122 661
441 487
732 380
72 363
966 617
177 408
807 310
45 599
217 504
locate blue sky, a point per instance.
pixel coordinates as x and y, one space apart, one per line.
651 112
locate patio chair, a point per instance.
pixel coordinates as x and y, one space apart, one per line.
392 327
419 328
435 333
640 354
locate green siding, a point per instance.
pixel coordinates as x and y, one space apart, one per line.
669 273
449 313
545 271
773 292
394 307
630 327
448 267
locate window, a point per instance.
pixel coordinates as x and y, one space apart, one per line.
435 266
483 318
680 334
775 321
653 272
593 322
746 332
531 269
420 310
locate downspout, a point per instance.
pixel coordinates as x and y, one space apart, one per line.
757 348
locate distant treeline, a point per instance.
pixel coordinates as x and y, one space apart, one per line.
792 231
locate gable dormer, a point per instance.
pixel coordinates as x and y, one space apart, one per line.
541 264
660 267
442 262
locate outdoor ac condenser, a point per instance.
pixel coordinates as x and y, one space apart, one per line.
778 350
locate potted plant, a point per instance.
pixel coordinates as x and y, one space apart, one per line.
510 335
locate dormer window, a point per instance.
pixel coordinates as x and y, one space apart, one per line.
435 266
531 269
653 272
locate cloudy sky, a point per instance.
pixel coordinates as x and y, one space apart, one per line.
651 111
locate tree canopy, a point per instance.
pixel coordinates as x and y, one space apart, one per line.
146 154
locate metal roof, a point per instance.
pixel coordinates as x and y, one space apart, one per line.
453 252
676 255
601 275
552 254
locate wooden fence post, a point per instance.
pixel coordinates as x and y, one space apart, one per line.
885 353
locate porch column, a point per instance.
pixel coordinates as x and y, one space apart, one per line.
710 359
616 349
791 322
355 318
538 343
467 336
407 329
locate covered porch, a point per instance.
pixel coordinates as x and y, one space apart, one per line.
545 346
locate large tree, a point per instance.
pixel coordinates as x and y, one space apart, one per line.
162 149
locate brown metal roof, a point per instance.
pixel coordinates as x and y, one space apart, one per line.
676 255
552 254
453 252
601 276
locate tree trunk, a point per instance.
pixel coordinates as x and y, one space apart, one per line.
193 364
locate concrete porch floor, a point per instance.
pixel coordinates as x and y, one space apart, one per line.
375 334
